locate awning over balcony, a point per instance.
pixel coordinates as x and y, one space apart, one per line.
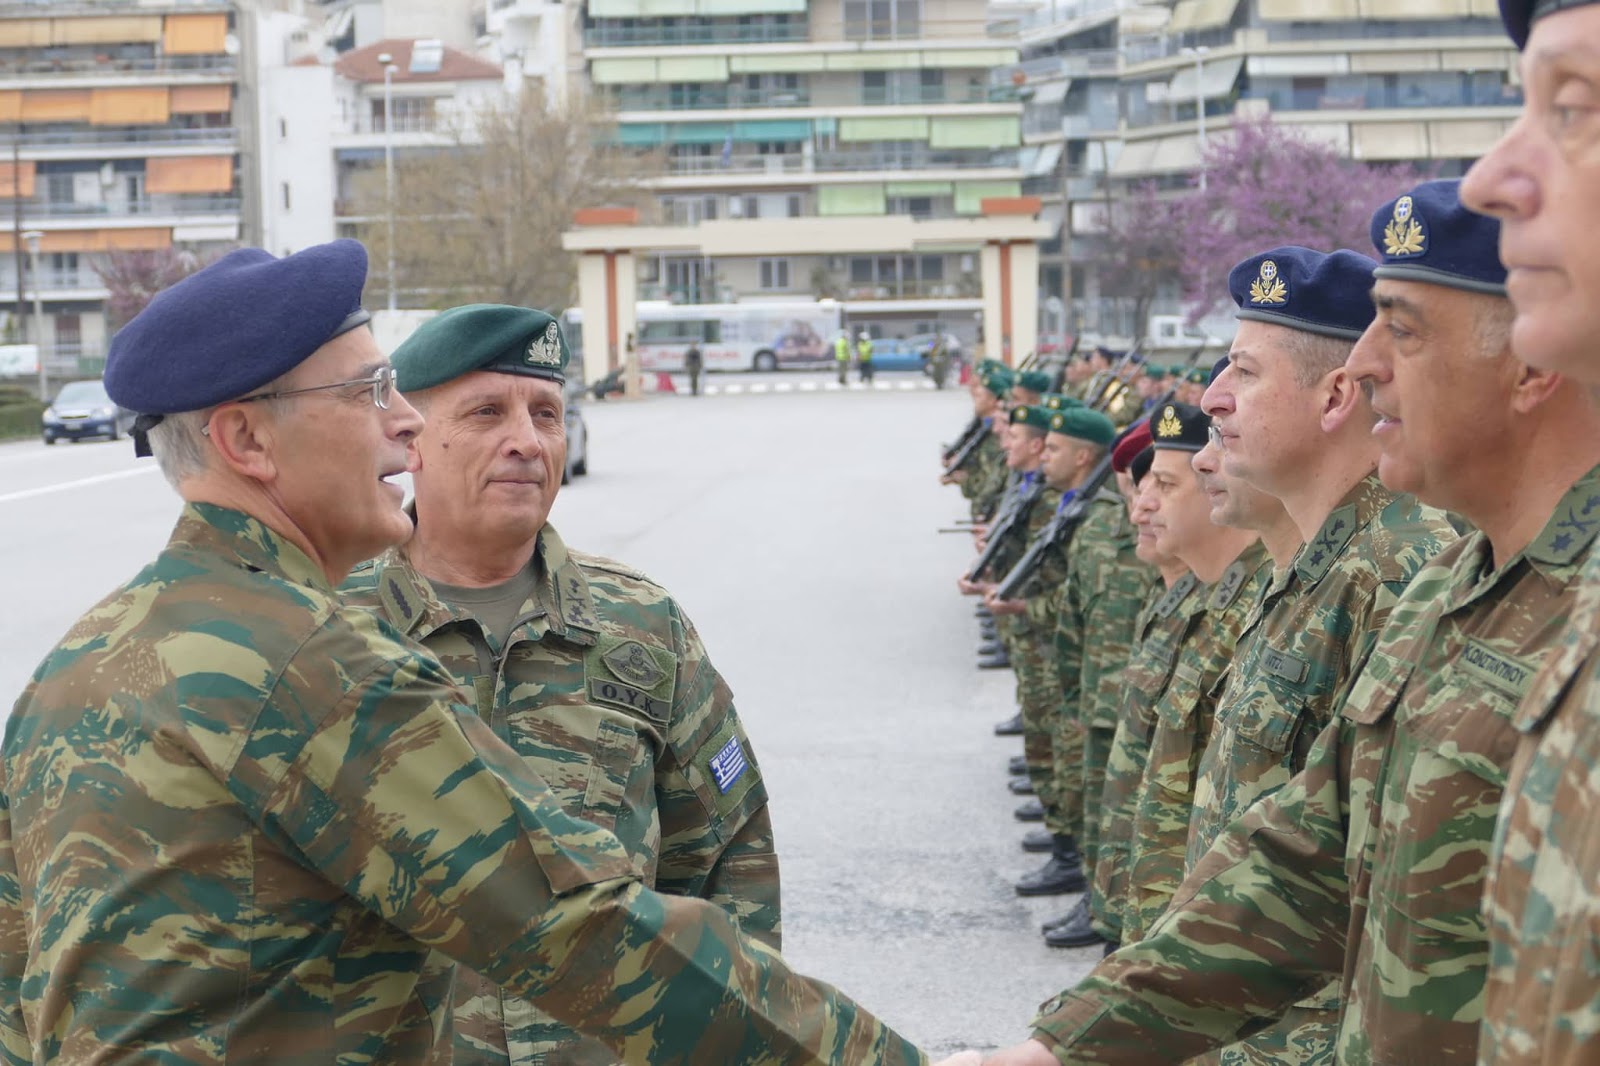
988 131
1216 79
1196 15
659 8
201 99
189 174
130 107
203 34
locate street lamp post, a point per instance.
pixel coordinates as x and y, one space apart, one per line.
1199 54
33 237
388 166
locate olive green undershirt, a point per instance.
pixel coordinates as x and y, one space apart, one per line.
495 607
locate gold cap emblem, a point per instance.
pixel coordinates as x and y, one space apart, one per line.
545 349
1403 235
1058 421
1169 426
1268 288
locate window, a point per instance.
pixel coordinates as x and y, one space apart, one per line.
412 114
286 196
882 18
796 205
774 274
58 187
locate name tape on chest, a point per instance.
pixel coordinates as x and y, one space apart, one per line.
1501 672
1291 668
728 765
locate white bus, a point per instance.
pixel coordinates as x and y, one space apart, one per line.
742 336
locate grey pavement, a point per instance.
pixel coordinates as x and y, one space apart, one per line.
797 530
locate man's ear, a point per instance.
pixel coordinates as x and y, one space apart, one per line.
1343 399
245 437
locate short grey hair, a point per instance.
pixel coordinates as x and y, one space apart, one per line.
1315 355
176 441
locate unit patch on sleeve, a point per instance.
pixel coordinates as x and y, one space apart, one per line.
626 673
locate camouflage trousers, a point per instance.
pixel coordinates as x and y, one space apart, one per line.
1096 749
1039 697
1119 797
1067 781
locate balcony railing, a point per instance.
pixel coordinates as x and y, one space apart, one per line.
711 99
627 36
403 123
83 279
34 211
841 160
724 98
154 135
34 66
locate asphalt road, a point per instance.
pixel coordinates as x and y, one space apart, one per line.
797 529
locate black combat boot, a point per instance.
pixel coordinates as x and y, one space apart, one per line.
1076 930
1017 765
990 647
1020 786
998 661
1062 874
1032 811
1011 727
1038 840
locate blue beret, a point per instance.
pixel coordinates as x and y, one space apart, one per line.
1328 293
1429 235
498 337
230 328
1520 15
1217 368
1181 428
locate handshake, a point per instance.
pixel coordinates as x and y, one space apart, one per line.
1028 1053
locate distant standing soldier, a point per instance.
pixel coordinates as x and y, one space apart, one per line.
693 363
864 356
841 355
939 362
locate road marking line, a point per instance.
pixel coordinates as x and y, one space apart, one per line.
712 390
882 386
731 389
907 386
808 386
758 387
46 490
783 386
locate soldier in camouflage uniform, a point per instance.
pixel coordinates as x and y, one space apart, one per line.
1300 312
1543 901
1157 632
583 666
243 822
1233 569
1107 584
1382 843
1075 442
984 478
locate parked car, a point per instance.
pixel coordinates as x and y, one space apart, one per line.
577 435
890 353
82 409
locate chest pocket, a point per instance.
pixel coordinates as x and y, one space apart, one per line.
1466 723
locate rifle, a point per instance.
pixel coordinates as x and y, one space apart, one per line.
1100 384
1002 527
968 450
972 428
1059 529
1061 371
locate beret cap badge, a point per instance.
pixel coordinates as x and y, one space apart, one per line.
1404 236
1169 426
1268 288
545 350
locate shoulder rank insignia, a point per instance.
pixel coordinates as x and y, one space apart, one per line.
1268 288
1228 587
633 664
1403 236
1169 426
545 350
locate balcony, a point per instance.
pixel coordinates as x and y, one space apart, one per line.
34 68
82 283
622 35
36 211
733 98
842 160
147 137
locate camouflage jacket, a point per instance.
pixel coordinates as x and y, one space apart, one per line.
1302 645
1183 717
589 691
1098 613
243 822
1039 510
1149 668
1543 896
1381 843
1049 583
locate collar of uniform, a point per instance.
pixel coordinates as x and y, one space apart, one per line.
1175 595
1236 577
212 528
1566 538
1358 508
574 617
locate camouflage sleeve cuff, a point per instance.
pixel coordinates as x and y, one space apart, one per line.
1066 1019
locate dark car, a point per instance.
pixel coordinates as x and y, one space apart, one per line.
577 435
82 409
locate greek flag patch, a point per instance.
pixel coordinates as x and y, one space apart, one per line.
728 765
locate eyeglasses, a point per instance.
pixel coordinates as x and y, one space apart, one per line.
381 382
1214 435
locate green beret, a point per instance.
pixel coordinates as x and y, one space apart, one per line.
1056 401
1155 372
1031 415
507 340
1198 376
989 366
1034 381
1084 424
998 382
